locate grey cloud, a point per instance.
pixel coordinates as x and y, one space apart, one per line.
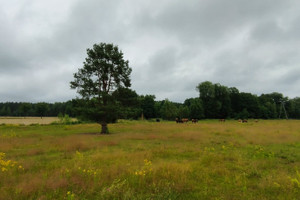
172 45
164 62
205 21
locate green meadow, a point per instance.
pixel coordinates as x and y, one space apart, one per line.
150 160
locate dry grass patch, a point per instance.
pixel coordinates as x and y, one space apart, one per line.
35 151
73 143
27 120
30 184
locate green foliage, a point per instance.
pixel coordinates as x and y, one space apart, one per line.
244 114
36 109
183 111
90 110
24 108
42 109
104 71
206 90
128 103
148 106
168 110
296 181
250 103
294 108
195 108
216 99
5 111
64 119
268 111
222 102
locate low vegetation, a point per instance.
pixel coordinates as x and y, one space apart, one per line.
149 160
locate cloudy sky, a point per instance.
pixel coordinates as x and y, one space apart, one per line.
171 45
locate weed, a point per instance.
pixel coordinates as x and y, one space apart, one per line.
7 165
70 195
296 180
117 190
146 169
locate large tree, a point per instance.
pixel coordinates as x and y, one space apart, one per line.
215 98
207 95
104 71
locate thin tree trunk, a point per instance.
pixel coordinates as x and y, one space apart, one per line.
104 129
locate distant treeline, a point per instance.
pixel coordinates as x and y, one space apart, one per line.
215 101
36 109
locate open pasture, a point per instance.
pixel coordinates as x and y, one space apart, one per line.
149 160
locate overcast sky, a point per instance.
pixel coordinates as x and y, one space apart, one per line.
171 45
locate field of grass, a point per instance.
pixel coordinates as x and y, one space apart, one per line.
149 160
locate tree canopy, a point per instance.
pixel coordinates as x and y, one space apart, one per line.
104 71
218 102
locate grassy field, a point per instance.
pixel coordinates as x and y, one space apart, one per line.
149 160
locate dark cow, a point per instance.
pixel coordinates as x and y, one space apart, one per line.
244 121
194 120
157 120
178 120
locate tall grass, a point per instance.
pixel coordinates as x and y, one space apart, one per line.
149 160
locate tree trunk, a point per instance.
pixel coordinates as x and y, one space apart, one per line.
104 129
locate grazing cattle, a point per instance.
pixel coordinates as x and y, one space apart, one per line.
194 120
185 120
222 120
157 120
178 120
245 121
256 120
240 121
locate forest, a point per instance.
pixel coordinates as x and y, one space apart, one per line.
215 101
